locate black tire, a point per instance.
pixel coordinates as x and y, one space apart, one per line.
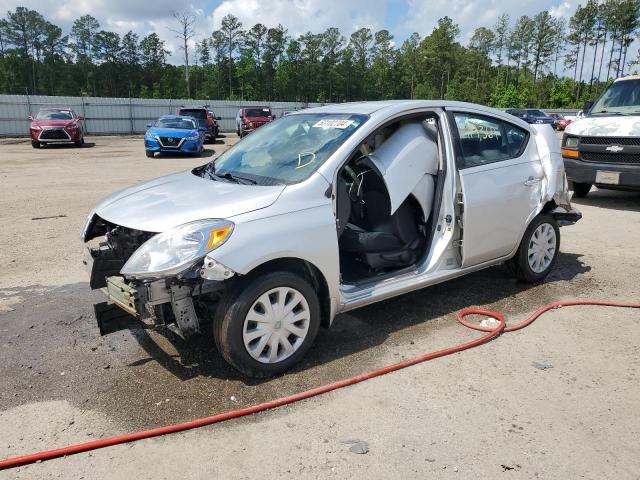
230 315
581 190
35 144
149 154
79 143
519 264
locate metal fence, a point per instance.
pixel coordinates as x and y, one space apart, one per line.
119 116
122 116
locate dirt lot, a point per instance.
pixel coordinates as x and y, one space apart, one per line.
557 400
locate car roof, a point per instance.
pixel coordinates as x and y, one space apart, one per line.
392 107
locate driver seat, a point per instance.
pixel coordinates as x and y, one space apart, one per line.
382 240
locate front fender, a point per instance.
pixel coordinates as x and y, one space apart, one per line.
308 234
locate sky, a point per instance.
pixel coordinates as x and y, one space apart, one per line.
400 17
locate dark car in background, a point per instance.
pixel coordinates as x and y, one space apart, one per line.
532 115
250 118
56 125
206 116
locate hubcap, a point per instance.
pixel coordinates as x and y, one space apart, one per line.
276 325
542 248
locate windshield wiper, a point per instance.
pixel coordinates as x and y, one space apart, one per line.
232 177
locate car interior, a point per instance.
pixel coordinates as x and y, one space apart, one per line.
375 241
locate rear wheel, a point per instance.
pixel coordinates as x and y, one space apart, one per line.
267 324
538 250
35 144
581 190
149 154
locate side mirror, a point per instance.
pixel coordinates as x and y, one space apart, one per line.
80 117
218 117
30 117
149 125
586 107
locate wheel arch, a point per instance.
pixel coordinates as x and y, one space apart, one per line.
309 272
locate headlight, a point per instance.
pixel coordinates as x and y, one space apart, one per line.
35 127
194 137
171 252
571 142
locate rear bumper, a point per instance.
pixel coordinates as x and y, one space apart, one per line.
585 172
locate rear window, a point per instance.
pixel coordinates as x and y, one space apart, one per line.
196 113
257 112
537 113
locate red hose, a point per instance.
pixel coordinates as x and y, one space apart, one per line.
490 334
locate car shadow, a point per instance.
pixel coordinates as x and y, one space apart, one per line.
366 327
613 199
207 152
67 145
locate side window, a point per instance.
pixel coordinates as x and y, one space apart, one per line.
516 138
485 140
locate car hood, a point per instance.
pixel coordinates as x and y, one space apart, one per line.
257 119
616 126
52 123
171 132
183 197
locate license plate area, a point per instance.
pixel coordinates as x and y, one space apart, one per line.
608 178
123 295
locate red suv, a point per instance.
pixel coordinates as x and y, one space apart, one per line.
203 115
250 118
56 125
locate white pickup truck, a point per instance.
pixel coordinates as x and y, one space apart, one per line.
602 147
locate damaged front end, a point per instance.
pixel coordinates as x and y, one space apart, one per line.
155 279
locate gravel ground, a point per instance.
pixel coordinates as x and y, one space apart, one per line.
557 400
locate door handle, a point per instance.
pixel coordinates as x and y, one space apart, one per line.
531 181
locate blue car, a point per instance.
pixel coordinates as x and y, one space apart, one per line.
174 134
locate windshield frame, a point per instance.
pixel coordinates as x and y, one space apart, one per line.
49 112
633 109
274 130
177 119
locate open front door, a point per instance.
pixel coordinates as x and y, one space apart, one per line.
501 177
406 161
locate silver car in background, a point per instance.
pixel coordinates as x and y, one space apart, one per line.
324 211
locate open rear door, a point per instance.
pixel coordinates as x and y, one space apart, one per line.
404 161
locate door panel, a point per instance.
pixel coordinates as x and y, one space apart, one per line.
501 181
499 199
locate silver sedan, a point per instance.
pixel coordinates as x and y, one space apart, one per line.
324 211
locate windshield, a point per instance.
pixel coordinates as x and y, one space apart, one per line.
182 123
620 97
257 112
54 115
199 114
287 150
537 113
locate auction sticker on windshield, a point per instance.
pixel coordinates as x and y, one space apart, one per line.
335 123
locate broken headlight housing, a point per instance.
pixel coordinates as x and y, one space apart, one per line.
174 251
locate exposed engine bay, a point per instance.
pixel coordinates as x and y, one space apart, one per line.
173 303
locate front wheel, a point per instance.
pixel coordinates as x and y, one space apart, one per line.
538 250
149 153
35 144
581 190
267 324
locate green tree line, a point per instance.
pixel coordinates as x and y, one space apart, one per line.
527 61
